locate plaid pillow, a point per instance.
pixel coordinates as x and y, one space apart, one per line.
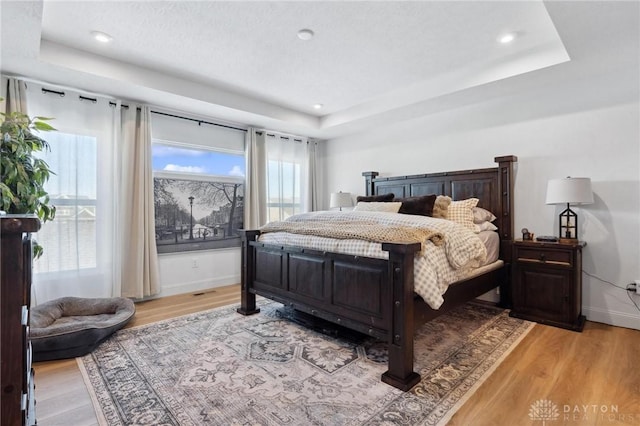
462 212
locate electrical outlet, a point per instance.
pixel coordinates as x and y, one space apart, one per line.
194 263
637 286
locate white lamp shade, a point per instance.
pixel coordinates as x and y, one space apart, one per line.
340 199
569 191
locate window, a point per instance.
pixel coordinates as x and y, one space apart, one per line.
198 184
283 189
287 160
69 240
78 258
182 159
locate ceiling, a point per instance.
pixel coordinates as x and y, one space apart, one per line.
243 62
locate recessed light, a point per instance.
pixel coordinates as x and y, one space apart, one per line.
305 34
317 106
507 38
101 37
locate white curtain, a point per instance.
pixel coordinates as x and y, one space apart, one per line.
255 207
281 177
102 240
139 259
287 175
313 193
14 94
79 244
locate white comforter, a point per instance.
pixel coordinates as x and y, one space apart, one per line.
435 267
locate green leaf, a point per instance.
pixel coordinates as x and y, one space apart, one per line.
37 250
22 174
41 125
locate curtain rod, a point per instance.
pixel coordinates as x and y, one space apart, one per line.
200 122
260 132
94 100
55 92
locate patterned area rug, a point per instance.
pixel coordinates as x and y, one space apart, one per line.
220 368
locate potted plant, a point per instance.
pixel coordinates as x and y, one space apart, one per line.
22 173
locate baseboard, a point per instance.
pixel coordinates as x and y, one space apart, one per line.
619 319
193 286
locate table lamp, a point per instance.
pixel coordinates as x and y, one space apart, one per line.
572 191
340 199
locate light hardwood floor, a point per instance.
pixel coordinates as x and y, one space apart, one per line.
584 373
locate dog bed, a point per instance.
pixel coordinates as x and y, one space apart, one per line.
72 326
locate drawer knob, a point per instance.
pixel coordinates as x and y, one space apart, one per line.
542 257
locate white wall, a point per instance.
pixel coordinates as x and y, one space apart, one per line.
198 270
557 126
579 118
600 143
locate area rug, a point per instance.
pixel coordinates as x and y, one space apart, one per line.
221 368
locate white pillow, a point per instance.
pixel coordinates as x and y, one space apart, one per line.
462 212
376 206
481 215
485 226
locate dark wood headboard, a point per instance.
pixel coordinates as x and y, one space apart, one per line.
492 186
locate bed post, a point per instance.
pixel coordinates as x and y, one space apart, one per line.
505 190
369 177
247 298
400 373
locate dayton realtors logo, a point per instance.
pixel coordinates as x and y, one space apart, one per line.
546 410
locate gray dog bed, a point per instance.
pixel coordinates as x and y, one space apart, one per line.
72 326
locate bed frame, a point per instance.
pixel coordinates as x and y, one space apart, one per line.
375 296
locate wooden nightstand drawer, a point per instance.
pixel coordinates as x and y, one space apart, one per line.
544 255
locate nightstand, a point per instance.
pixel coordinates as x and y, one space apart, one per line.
547 283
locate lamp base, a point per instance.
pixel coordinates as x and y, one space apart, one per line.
568 222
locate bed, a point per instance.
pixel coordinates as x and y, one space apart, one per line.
376 296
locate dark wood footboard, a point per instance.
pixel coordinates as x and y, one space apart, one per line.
372 296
